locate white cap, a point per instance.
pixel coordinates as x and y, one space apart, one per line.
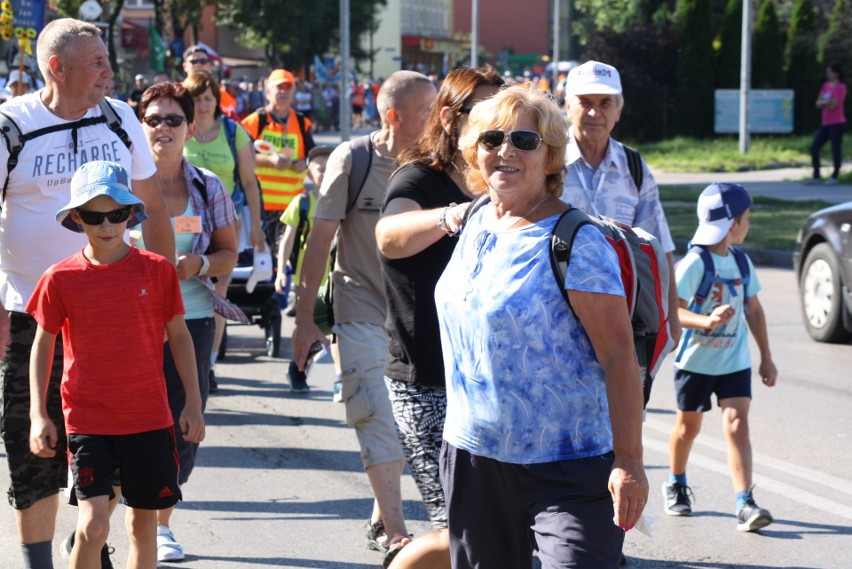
593 78
718 206
15 76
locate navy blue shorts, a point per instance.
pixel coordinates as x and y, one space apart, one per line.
147 461
497 511
694 389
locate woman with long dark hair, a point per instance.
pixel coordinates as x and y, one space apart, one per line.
415 246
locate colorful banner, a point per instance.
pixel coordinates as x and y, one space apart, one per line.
22 19
156 49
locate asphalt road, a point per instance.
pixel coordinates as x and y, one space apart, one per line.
279 481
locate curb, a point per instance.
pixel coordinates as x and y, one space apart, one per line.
761 257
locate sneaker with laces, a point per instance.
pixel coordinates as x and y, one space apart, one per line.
67 545
677 499
752 517
298 379
168 549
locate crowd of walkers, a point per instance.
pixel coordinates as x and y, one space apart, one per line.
519 414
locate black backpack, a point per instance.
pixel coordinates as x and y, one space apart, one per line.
15 139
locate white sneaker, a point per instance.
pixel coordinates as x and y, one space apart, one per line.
67 545
814 182
168 549
831 182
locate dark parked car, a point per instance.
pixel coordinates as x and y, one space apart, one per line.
823 264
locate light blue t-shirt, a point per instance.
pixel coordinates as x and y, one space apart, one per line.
523 384
725 349
196 298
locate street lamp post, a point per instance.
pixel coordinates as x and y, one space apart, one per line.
745 77
345 95
474 34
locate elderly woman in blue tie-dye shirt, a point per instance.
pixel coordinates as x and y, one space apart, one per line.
544 419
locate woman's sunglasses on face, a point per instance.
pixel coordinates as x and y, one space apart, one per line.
172 121
97 217
523 140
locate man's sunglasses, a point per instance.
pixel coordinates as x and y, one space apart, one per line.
173 121
198 61
97 217
523 140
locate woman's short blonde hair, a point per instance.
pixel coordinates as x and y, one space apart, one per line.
501 112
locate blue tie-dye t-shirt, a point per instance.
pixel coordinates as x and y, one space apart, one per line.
523 384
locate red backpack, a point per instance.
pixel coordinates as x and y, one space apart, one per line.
644 274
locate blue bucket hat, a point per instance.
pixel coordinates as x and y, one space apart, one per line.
95 179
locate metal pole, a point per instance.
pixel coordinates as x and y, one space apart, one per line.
474 34
345 96
745 77
555 45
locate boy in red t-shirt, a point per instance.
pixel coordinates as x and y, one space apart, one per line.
112 302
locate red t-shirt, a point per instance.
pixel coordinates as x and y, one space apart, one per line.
112 319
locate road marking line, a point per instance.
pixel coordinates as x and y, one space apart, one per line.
786 490
835 483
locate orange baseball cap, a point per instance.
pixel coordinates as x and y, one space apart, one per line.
281 76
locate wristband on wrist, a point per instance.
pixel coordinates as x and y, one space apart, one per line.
205 266
442 221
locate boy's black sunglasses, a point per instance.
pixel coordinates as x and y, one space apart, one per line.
523 140
173 121
97 217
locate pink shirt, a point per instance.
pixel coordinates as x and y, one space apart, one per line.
836 91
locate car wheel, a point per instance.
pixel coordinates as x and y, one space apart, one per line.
822 297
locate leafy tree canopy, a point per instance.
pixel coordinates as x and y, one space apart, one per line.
293 31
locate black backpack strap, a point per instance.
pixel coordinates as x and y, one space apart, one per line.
561 242
362 159
114 122
477 204
262 120
634 164
14 143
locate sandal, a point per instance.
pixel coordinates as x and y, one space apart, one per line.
394 547
376 537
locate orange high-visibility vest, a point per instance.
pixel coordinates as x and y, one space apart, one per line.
279 187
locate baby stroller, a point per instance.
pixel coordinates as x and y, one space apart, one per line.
255 297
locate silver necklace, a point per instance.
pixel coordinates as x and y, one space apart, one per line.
211 134
527 214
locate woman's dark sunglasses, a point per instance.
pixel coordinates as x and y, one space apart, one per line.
97 217
172 121
523 140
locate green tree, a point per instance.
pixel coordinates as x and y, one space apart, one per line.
836 46
293 31
694 92
112 10
802 69
728 55
767 50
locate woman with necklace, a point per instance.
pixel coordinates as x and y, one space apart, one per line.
544 403
414 251
210 148
206 247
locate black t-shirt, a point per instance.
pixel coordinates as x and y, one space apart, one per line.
414 344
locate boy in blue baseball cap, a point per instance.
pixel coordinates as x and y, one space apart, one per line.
112 302
717 293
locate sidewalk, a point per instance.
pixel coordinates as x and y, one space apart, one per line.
782 183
